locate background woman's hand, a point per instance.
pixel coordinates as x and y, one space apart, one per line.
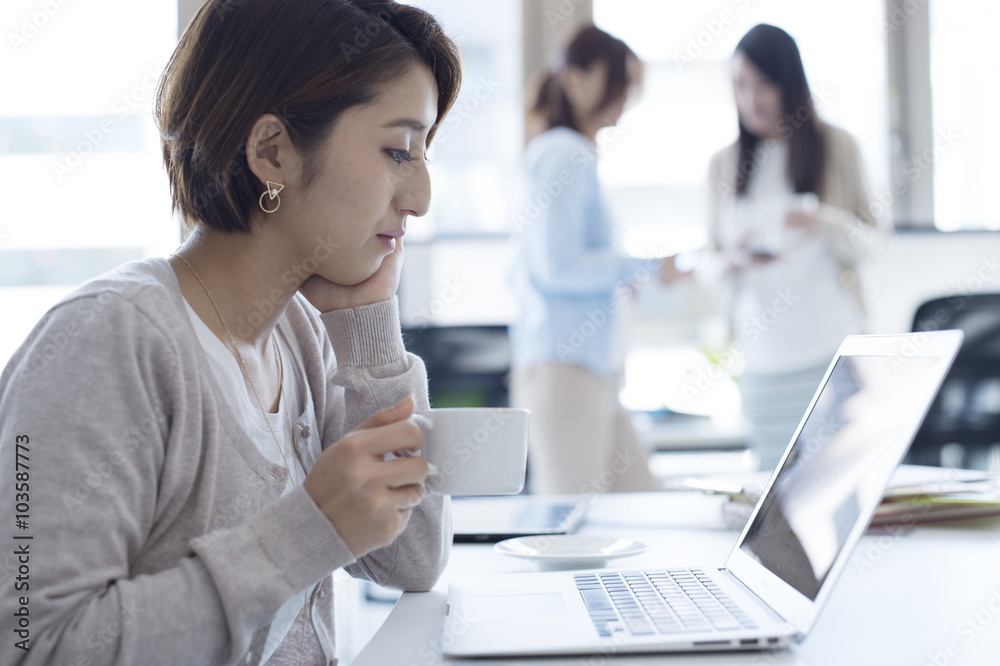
367 498
327 296
806 220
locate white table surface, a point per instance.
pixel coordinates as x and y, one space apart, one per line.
929 597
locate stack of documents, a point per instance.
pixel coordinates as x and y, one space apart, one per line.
916 494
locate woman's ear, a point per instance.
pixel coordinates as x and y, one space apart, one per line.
270 152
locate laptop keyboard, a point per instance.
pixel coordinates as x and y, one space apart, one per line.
658 602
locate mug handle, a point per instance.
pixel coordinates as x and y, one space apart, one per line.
424 424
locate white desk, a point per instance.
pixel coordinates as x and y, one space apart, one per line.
934 589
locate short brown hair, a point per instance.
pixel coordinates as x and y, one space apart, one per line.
306 61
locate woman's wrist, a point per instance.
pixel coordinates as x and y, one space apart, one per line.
366 335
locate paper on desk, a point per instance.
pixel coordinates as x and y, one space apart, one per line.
908 481
916 494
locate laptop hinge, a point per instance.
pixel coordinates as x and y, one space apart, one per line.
760 602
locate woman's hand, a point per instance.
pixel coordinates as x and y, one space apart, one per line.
369 499
806 220
327 296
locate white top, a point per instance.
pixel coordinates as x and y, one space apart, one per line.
792 313
230 378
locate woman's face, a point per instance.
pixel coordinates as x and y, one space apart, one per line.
590 87
758 98
371 177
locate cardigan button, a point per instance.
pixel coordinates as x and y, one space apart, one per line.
305 431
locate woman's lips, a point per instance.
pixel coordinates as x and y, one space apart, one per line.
389 240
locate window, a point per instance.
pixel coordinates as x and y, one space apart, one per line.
475 152
79 151
963 53
474 171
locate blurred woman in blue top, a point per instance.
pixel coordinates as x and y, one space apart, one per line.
569 278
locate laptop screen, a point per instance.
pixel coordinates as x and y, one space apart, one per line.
844 452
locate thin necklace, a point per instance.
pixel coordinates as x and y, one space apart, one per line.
260 403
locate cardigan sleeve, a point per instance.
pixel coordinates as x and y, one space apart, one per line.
850 230
374 371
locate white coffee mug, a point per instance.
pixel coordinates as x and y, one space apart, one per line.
474 450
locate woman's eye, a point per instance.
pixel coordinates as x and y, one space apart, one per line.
400 156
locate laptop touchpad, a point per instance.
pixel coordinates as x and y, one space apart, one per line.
513 606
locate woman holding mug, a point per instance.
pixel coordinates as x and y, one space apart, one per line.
789 222
210 442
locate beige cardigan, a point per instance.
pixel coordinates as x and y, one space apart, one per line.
851 233
159 533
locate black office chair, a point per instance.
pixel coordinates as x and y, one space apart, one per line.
467 366
962 428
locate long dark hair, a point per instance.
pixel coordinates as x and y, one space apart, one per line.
588 47
775 54
306 61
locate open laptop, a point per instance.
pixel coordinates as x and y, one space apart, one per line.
492 519
784 564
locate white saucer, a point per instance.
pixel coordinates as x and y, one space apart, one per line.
569 551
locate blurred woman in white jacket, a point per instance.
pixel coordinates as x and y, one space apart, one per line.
790 220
